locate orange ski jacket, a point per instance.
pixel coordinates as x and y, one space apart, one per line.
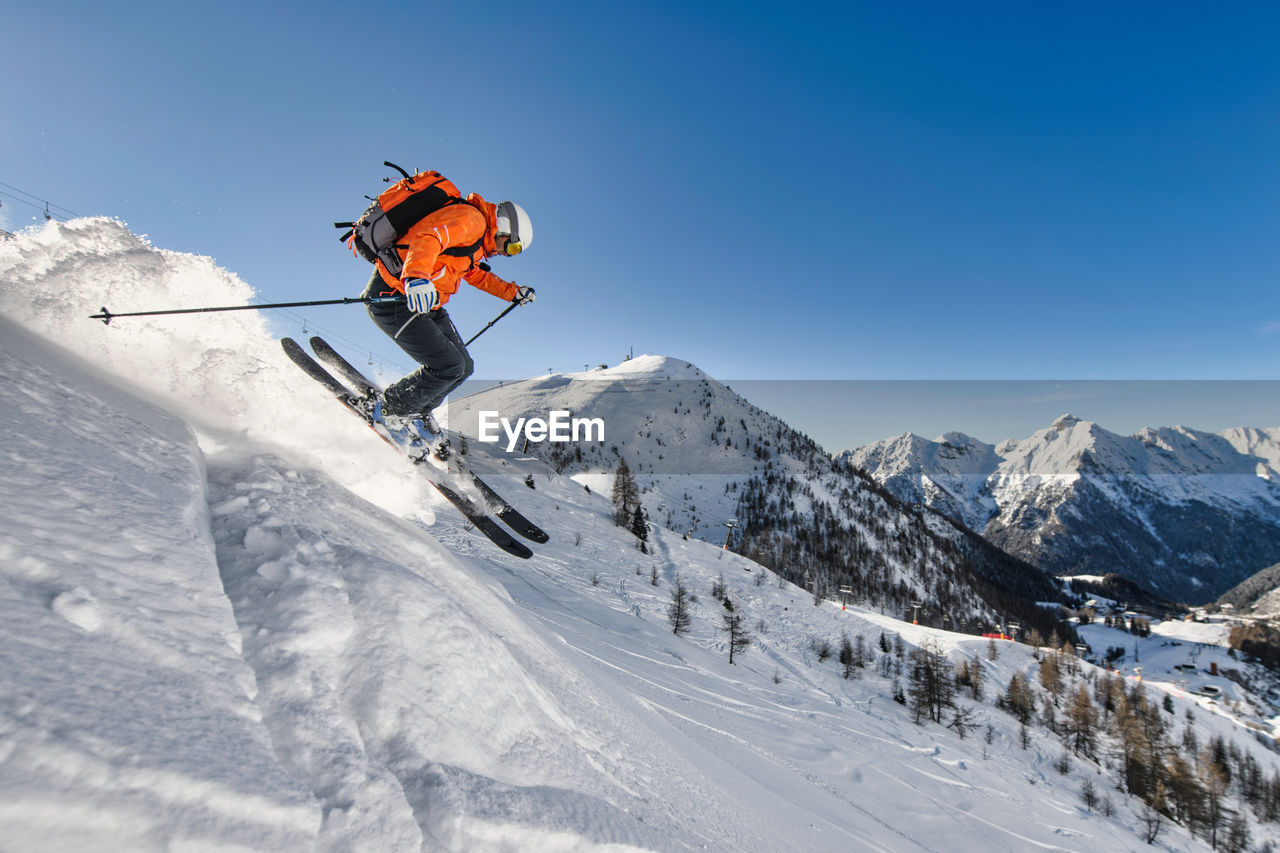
452 226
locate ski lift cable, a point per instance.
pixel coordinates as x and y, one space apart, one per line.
333 336
43 209
45 202
34 197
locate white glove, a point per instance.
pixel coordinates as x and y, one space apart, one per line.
421 295
524 295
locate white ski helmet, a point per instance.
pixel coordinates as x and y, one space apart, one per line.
514 223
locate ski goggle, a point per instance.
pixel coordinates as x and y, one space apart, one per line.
512 222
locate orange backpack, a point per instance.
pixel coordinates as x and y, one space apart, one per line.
376 234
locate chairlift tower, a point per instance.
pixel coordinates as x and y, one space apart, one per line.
845 592
915 616
732 524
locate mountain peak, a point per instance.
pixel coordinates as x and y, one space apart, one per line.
959 439
656 366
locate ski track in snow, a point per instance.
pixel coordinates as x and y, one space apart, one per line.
120 665
334 622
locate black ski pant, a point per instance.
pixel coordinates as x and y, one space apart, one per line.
429 339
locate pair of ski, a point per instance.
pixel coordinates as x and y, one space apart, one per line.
417 448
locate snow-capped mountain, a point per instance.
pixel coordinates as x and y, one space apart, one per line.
1185 512
1263 444
948 474
234 621
704 456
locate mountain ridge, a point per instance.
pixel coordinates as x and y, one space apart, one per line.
1077 498
705 456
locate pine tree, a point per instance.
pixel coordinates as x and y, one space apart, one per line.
639 526
860 652
1152 814
1106 691
976 680
1082 724
1019 700
846 656
1186 798
969 677
626 494
1237 836
1035 640
1051 676
678 613
1089 794
1214 783
719 589
739 637
931 686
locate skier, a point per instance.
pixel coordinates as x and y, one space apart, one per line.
447 245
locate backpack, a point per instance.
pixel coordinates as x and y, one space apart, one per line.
376 235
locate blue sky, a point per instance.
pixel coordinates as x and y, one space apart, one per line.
824 191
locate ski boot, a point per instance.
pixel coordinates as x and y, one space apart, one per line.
368 406
429 431
419 436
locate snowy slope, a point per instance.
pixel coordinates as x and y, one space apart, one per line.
126 709
234 621
1182 658
1185 512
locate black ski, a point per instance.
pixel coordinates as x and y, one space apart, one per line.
469 508
499 505
484 523
312 368
329 356
509 514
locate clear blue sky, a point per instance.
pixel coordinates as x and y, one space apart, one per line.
771 191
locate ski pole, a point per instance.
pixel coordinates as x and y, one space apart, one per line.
106 316
513 306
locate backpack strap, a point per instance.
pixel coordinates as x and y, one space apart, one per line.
464 251
421 204
453 251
